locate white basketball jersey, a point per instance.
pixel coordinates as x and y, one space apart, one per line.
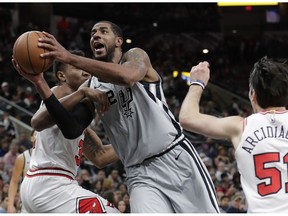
262 159
27 157
54 151
138 123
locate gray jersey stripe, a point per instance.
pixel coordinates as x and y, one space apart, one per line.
151 89
209 185
189 144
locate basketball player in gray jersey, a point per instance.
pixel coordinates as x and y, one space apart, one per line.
164 172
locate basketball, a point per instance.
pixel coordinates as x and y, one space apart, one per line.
27 53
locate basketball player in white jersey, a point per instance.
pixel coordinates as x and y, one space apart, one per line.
50 185
164 172
260 140
19 171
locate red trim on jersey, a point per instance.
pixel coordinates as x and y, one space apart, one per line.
49 174
264 112
244 123
50 171
50 168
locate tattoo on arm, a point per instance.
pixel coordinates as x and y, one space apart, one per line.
89 146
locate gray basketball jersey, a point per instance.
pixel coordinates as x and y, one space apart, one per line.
138 123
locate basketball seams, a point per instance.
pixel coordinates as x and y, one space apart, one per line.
28 52
39 34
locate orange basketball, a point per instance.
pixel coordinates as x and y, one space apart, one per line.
27 53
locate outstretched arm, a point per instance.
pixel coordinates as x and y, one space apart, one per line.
93 149
135 64
192 120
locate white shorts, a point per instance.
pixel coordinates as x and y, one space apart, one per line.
55 193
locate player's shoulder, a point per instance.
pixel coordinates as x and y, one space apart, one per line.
135 52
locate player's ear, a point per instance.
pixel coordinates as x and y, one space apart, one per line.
119 41
61 76
252 95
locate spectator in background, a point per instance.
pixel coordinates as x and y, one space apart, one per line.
4 146
236 205
121 205
3 172
85 179
12 154
24 142
115 177
117 196
122 187
101 175
126 198
3 204
98 186
222 168
224 203
221 156
6 91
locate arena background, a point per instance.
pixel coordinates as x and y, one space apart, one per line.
176 36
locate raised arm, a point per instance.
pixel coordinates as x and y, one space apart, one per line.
93 149
192 120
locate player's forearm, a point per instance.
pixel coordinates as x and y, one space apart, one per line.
12 191
190 107
43 89
106 71
102 158
42 118
94 150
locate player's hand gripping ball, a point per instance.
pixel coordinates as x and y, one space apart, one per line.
27 53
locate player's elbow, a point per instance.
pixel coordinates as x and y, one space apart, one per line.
98 163
184 121
36 124
128 81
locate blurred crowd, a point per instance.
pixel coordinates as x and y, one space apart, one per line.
218 155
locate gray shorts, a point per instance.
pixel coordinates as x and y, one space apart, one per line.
175 182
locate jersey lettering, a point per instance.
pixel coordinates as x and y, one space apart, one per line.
111 97
125 98
90 205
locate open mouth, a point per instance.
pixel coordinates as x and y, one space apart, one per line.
99 47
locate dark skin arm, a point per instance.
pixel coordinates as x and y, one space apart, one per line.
43 119
94 150
135 65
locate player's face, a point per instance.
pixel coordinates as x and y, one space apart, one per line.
75 77
103 42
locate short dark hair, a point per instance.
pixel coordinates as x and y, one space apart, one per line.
269 79
60 66
115 28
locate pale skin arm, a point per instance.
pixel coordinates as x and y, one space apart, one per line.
94 150
13 185
191 119
136 64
